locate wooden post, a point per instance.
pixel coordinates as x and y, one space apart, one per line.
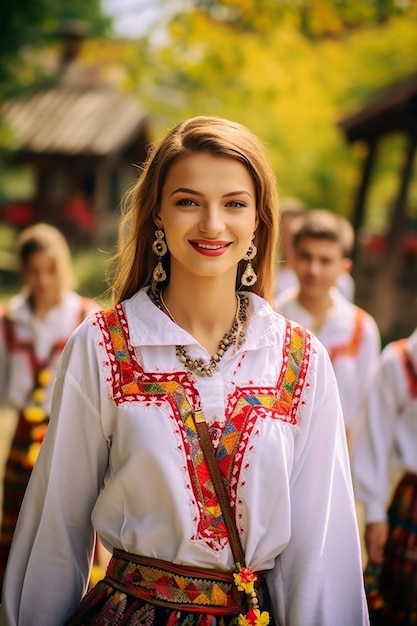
360 204
101 199
384 301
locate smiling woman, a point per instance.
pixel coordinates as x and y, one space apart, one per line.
209 224
206 428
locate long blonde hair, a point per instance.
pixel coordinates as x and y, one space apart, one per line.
46 238
134 261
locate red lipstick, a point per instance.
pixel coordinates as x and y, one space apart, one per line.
210 247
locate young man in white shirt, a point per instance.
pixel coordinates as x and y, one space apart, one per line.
322 245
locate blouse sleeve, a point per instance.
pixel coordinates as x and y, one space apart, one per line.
367 364
374 445
317 579
44 585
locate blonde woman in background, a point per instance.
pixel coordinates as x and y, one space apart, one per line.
34 327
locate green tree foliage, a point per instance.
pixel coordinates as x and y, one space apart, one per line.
287 77
31 23
313 18
26 27
289 88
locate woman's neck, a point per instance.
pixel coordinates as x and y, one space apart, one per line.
206 310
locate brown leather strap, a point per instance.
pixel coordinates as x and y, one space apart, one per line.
219 486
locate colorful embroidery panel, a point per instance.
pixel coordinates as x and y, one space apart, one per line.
245 406
175 586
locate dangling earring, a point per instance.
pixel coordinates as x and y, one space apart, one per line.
159 247
249 277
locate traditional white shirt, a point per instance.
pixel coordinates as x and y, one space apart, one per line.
389 432
37 341
352 339
289 478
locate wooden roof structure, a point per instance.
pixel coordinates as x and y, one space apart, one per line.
392 111
74 118
84 139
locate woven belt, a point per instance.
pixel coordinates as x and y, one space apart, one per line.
178 587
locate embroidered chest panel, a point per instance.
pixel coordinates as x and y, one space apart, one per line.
231 438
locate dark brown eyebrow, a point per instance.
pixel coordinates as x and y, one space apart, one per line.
197 193
237 193
186 190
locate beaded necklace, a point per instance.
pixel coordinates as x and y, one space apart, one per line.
235 336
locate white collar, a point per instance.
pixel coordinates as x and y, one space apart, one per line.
148 325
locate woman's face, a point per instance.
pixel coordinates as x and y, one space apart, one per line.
208 213
41 276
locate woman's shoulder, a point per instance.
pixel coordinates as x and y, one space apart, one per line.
83 349
278 327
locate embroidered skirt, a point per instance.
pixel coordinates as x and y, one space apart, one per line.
22 455
146 592
392 587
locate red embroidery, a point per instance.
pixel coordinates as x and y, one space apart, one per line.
351 347
245 406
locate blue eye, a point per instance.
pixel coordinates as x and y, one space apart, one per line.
186 202
236 204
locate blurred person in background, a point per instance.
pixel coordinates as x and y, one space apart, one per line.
386 450
34 327
322 244
292 209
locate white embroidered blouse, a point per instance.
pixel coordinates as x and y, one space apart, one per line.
128 427
388 437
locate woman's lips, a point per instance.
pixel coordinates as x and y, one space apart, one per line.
210 248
